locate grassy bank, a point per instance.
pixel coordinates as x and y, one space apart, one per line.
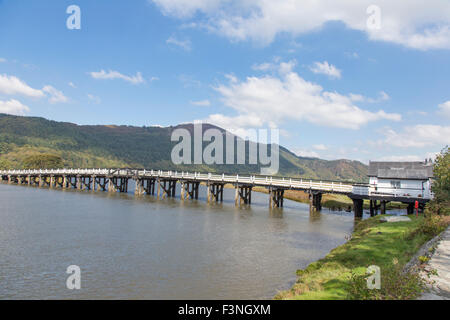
340 275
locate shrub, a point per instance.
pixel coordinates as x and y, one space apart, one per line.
395 285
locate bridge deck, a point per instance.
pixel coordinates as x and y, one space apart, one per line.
251 180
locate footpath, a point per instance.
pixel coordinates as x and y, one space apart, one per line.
440 262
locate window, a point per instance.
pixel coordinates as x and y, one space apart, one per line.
395 184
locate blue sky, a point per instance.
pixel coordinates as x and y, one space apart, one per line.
333 86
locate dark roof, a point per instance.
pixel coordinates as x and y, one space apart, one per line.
401 170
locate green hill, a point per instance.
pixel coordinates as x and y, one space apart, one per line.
24 141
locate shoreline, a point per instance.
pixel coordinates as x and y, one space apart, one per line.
341 274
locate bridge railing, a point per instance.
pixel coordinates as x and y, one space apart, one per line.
255 180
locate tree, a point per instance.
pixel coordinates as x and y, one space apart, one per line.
441 183
42 161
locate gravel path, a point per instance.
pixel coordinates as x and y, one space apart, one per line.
440 261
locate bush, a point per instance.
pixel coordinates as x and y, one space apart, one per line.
441 184
395 285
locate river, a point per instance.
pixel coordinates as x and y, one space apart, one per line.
144 248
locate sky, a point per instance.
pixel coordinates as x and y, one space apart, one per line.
362 80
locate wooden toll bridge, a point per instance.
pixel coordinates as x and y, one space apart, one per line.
163 184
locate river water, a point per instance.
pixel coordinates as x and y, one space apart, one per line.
144 248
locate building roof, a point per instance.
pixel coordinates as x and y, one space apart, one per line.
401 170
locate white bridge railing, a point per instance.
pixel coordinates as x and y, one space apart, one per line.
328 186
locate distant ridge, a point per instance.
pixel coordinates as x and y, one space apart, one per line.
94 146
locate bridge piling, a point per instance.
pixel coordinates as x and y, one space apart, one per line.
358 208
243 194
215 192
276 198
315 200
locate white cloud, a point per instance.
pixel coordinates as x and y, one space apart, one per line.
444 109
271 100
189 81
409 157
186 8
305 153
72 85
401 158
13 107
55 95
263 66
320 147
136 79
382 96
94 99
413 23
326 69
185 44
12 85
418 136
201 103
2 60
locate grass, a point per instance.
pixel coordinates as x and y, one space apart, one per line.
386 245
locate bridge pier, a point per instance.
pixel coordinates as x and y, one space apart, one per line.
410 209
383 206
315 200
118 184
243 194
145 186
139 189
189 189
358 207
100 183
276 198
214 192
168 187
85 182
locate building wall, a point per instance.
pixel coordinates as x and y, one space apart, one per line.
412 188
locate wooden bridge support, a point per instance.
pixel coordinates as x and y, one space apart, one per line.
315 201
85 182
101 183
168 187
72 182
189 189
358 207
118 184
59 181
145 186
410 209
243 194
383 206
139 189
215 192
276 198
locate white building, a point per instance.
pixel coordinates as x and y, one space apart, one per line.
400 179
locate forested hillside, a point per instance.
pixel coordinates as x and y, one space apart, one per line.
28 142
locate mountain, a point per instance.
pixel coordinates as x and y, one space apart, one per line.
26 141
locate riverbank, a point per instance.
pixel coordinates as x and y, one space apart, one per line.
341 274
